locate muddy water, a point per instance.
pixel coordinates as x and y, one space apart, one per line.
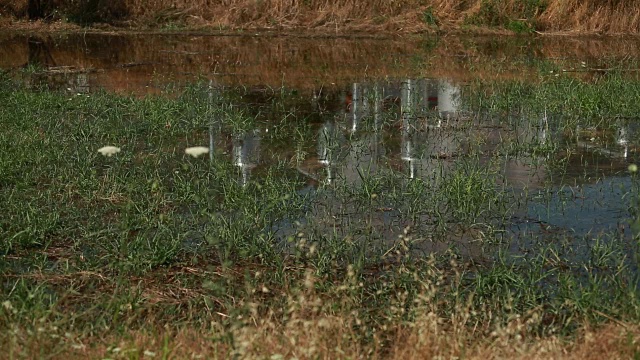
143 63
377 107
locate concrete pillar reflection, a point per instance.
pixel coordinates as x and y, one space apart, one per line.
326 148
406 97
356 103
543 127
448 99
377 106
622 139
211 141
246 153
407 148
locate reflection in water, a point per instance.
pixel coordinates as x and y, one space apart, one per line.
212 142
329 139
615 143
39 53
139 62
448 99
406 110
425 142
246 153
417 125
522 169
356 111
145 63
212 93
622 138
414 127
81 85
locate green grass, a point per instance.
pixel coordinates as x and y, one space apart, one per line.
97 246
609 97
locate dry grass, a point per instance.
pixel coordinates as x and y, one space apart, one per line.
309 325
329 337
609 16
614 341
590 16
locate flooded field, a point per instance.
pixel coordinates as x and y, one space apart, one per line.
143 63
506 164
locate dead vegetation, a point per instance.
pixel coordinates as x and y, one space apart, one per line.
408 16
309 324
326 337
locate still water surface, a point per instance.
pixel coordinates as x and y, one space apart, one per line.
374 108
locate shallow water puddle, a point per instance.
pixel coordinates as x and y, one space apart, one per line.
379 146
384 139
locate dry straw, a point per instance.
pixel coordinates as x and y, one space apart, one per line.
609 16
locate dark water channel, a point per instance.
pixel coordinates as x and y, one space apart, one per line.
376 109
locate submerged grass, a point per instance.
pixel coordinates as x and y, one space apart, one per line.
579 107
151 252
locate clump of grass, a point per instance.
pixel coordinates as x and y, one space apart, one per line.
429 17
471 194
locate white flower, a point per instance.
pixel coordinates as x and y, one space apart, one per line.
109 150
196 151
633 168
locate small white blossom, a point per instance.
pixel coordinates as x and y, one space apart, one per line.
196 151
109 150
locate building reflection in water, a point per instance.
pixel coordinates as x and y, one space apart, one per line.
246 153
328 148
428 142
622 138
448 99
356 110
615 142
350 144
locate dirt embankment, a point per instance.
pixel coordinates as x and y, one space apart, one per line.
408 16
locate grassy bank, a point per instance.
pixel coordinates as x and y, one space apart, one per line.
153 253
520 16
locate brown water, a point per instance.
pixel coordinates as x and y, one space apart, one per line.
143 63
